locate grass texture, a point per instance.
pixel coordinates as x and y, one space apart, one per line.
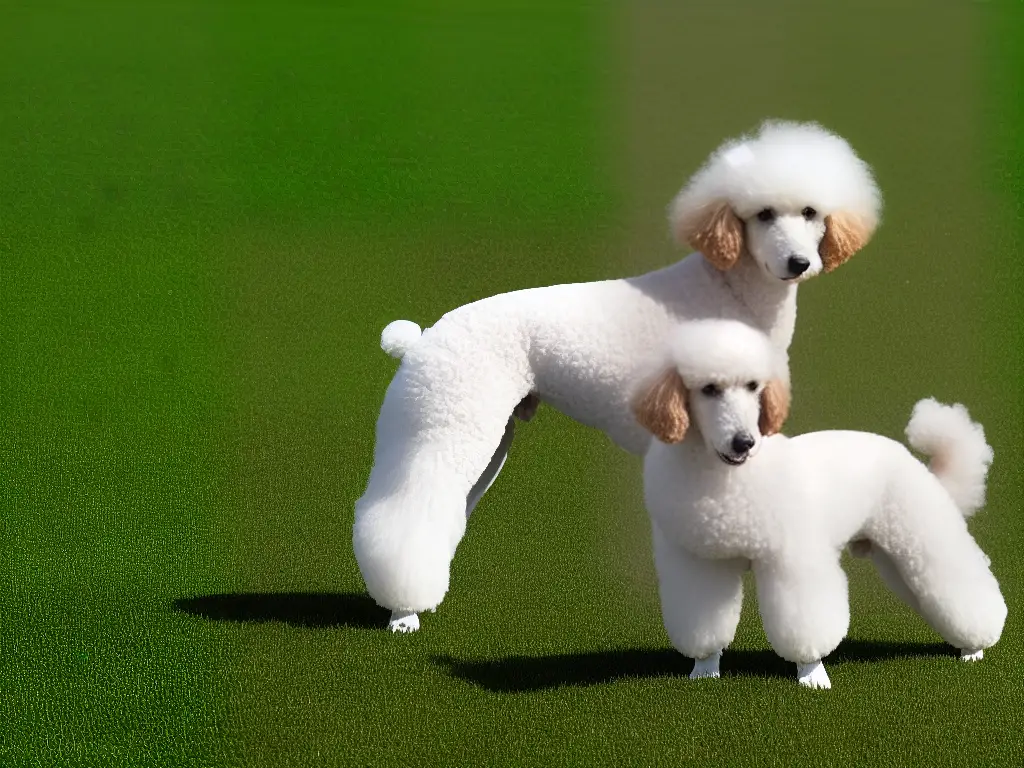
209 210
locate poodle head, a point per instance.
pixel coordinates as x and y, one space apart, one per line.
794 196
726 382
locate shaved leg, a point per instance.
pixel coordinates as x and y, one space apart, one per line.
490 473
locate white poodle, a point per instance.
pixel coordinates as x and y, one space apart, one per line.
765 212
723 499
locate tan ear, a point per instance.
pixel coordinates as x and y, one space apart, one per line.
662 410
774 407
718 234
844 236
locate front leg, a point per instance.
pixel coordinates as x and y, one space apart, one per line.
700 602
404 621
813 675
891 575
707 667
804 608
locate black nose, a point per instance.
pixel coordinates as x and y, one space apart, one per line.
798 265
742 443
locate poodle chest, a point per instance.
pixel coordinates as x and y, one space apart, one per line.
719 526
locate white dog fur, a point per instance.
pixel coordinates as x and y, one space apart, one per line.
765 212
723 499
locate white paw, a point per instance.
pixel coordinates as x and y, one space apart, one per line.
707 667
966 655
404 621
813 675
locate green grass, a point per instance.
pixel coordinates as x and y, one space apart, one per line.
208 211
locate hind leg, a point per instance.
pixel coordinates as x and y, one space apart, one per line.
408 525
525 411
804 608
409 621
956 595
890 575
923 535
700 602
490 474
437 431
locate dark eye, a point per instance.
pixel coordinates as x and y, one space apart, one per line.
809 213
766 215
711 390
752 386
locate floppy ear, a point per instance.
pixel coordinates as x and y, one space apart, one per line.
774 407
718 234
845 234
662 410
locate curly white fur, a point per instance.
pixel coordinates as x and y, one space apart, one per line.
702 353
788 512
787 165
960 455
399 337
445 423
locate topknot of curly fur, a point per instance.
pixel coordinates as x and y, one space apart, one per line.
723 350
784 164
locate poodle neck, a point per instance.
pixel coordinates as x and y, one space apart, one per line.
705 472
698 454
770 300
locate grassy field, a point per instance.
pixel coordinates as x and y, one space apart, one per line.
209 210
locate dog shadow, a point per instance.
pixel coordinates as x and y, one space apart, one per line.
520 674
317 610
